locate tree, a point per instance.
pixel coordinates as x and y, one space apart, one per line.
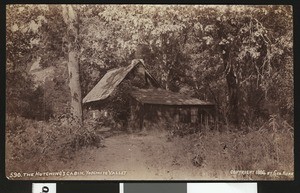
222 53
236 56
22 25
71 20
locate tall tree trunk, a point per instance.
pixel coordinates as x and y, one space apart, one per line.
232 84
71 21
74 84
231 79
233 98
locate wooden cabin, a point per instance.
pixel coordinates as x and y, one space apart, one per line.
150 103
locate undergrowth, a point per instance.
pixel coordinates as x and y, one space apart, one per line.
40 145
214 153
207 152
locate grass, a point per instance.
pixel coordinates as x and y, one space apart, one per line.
216 153
205 153
45 146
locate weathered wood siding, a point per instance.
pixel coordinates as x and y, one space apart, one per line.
142 113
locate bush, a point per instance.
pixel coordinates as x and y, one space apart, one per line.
269 147
183 129
40 142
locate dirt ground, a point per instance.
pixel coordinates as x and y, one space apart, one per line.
150 156
155 155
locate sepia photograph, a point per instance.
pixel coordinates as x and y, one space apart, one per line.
149 92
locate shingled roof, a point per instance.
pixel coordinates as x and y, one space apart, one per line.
110 81
164 97
146 96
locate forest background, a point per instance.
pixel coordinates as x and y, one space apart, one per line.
239 57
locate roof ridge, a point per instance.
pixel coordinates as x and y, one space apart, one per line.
140 60
110 81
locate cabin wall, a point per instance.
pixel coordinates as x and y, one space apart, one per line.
136 119
141 115
183 114
144 116
96 110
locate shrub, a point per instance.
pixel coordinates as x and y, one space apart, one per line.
40 142
269 148
182 129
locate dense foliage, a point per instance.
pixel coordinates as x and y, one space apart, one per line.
40 145
239 57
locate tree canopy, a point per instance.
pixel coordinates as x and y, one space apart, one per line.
240 57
